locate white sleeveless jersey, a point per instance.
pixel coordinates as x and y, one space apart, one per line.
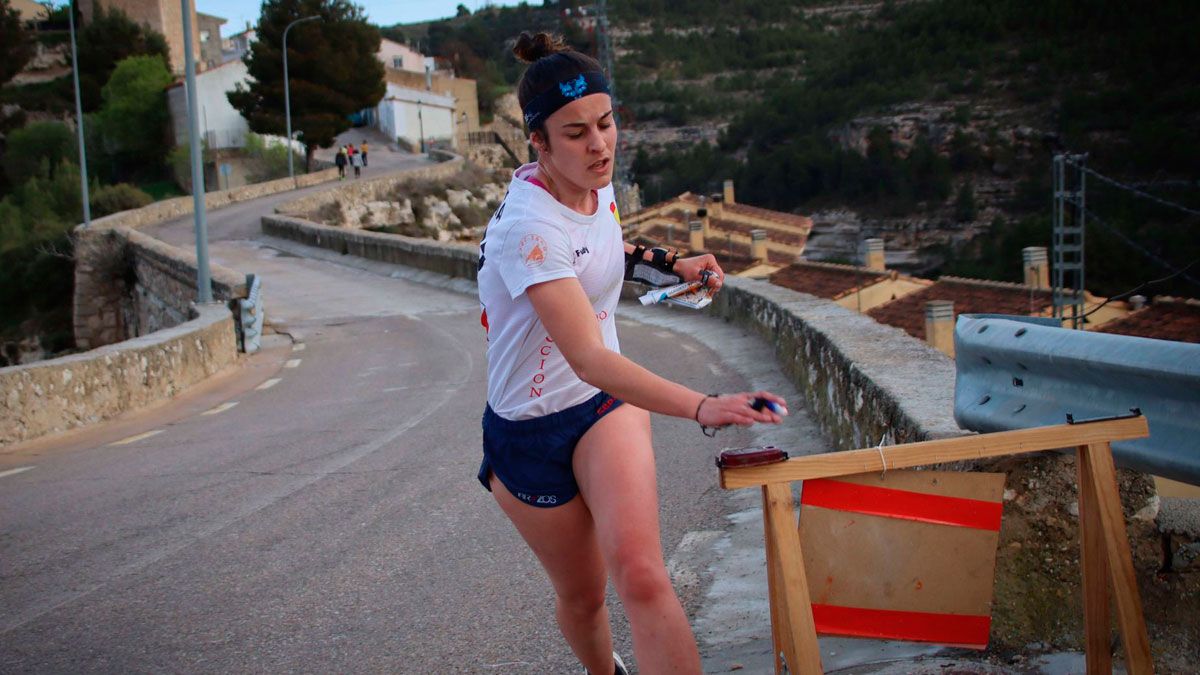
531 239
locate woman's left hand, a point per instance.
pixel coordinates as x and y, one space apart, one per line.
689 269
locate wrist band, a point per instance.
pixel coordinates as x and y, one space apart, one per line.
707 431
632 260
658 259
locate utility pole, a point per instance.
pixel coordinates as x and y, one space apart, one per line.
622 182
199 216
1068 232
287 96
83 174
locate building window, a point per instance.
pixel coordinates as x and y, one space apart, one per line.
204 36
398 62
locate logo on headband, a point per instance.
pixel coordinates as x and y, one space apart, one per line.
573 88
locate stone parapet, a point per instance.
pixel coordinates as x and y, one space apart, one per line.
451 259
72 391
374 189
166 282
864 381
177 207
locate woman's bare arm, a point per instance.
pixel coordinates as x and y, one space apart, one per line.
567 315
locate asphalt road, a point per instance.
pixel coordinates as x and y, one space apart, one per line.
321 514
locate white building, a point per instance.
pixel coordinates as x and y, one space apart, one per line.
415 115
401 57
221 125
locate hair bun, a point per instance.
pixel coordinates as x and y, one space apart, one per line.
530 48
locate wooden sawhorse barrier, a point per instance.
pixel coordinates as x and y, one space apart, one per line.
1104 556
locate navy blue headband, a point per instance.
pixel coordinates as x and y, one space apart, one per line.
548 102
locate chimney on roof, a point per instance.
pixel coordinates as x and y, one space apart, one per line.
758 245
874 259
1037 267
728 194
717 202
702 213
1137 302
670 234
939 326
695 235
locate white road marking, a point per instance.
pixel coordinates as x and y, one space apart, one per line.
292 363
13 472
220 409
269 383
298 347
688 348
138 437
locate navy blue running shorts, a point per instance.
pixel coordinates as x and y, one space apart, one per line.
532 457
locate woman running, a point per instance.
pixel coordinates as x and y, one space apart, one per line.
566 433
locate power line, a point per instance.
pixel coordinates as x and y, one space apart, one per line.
1126 294
1141 193
1140 249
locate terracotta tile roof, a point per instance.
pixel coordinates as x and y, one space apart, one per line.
801 222
691 202
1165 319
827 280
793 239
656 235
970 296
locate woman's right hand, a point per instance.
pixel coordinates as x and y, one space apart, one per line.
726 409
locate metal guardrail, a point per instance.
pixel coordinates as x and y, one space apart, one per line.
1018 372
250 316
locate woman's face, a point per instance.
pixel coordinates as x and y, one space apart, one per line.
579 141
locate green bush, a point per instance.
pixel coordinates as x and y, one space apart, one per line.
134 116
268 160
115 198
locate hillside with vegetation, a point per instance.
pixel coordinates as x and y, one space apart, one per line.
931 123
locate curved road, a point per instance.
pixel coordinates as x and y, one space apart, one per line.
316 510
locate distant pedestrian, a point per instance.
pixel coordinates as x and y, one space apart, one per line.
364 147
356 161
340 161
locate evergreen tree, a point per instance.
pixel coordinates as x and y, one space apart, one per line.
331 64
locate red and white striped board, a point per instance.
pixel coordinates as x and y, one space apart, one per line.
910 555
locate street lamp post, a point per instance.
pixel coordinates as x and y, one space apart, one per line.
199 215
83 175
287 95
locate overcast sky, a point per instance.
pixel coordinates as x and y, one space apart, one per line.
379 12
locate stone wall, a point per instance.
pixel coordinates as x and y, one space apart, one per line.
166 283
864 381
68 392
375 189
451 259
128 284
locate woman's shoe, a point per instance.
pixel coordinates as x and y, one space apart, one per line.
620 666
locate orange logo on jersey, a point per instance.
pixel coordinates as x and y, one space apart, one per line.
616 214
533 250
